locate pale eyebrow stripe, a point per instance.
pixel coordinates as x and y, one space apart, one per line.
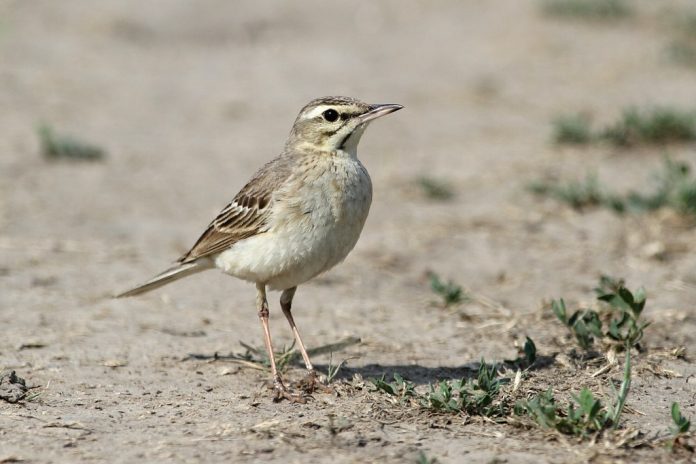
316 111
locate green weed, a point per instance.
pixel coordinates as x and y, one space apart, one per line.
527 356
649 126
57 146
435 189
579 195
675 189
424 459
658 125
467 396
572 129
681 431
473 397
449 292
586 9
681 424
617 322
399 388
585 415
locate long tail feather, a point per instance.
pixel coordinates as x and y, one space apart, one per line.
170 275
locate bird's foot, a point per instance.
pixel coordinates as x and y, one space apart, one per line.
311 383
282 393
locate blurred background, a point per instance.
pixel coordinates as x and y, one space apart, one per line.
530 159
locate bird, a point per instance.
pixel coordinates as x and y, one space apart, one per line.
298 216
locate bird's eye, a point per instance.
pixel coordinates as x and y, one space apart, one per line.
330 115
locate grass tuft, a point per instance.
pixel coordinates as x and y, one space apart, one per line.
658 125
449 292
586 9
479 397
57 146
435 189
675 189
584 416
572 129
649 126
616 324
424 459
579 195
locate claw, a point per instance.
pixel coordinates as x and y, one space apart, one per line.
282 393
311 383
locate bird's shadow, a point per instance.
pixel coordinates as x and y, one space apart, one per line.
424 375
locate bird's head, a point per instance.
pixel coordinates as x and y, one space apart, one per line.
335 123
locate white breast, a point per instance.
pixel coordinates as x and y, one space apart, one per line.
316 221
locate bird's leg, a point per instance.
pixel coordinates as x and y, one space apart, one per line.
262 305
286 305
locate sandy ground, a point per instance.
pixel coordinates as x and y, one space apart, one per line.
189 98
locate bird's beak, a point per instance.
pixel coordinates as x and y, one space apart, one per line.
379 110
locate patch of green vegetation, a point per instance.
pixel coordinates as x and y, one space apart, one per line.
676 189
682 48
658 125
469 396
435 189
617 323
577 194
58 146
528 355
473 397
586 415
681 424
449 292
586 9
424 459
649 126
572 129
682 52
681 431
399 388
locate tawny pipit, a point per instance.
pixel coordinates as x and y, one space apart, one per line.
299 216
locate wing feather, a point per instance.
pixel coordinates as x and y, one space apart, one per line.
246 215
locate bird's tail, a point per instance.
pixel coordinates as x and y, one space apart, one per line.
170 275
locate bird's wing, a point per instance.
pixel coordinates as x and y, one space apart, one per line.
246 215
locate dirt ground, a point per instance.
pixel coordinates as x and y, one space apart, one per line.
189 98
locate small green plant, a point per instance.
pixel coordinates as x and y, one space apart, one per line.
625 327
527 356
617 323
681 427
608 284
399 388
572 129
586 9
435 189
657 125
450 292
424 459
676 189
467 396
584 416
56 146
584 324
578 195
648 126
333 369
473 397
682 52
680 424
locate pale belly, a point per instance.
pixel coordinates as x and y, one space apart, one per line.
310 233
